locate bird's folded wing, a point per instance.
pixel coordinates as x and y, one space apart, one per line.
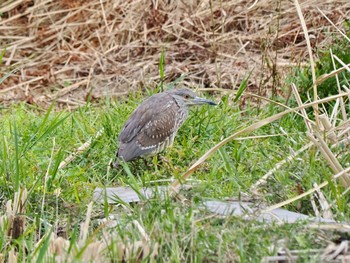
152 121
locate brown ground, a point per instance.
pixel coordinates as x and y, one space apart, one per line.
67 49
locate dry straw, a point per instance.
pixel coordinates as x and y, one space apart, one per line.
65 50
89 247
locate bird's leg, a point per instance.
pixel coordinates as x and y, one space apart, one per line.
155 162
166 162
145 162
158 160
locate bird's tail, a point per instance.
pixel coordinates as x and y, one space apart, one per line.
115 164
117 160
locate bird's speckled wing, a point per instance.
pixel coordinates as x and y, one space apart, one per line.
142 115
151 123
160 127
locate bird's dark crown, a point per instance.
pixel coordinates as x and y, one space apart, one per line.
184 93
187 97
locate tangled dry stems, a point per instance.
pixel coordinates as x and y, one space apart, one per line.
68 50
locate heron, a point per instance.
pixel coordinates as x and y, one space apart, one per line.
153 125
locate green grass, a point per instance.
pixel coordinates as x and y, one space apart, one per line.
33 142
302 76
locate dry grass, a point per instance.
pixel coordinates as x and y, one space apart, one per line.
67 50
88 247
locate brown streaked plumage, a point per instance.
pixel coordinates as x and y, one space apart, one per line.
153 125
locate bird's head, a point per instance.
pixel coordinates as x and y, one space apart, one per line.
189 98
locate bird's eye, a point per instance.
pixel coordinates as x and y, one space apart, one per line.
186 96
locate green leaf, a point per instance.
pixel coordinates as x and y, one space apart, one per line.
44 246
2 55
243 86
161 65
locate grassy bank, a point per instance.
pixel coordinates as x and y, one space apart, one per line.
34 143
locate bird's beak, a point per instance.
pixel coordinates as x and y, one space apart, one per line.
199 100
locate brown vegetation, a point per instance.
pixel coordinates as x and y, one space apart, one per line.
67 50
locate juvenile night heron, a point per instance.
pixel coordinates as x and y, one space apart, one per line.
153 125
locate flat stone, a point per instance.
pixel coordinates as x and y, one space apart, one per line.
246 210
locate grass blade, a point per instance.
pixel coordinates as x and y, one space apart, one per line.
243 86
